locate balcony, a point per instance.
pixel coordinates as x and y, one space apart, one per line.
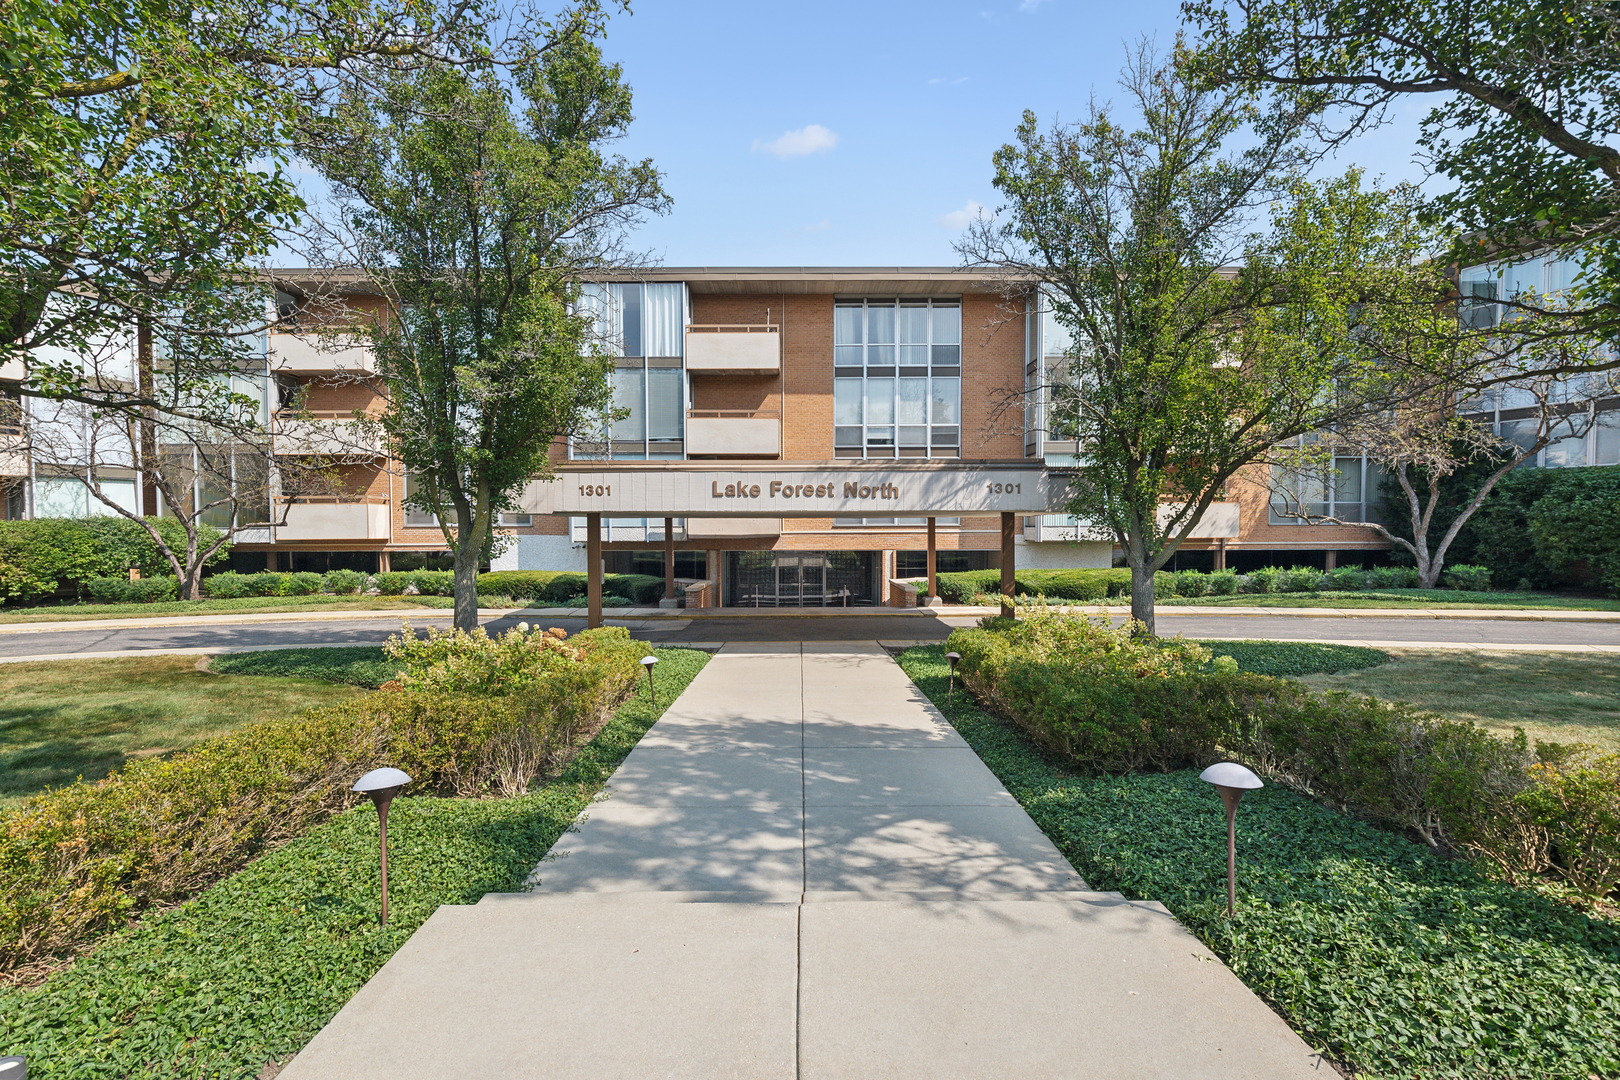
324 434
754 349
731 528
13 451
332 519
309 354
725 433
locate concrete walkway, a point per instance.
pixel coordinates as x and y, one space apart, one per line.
802 871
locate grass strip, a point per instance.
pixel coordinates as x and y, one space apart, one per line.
250 970
1400 598
351 665
1294 658
257 604
1390 960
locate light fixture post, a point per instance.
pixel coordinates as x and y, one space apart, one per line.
650 662
950 689
1231 780
382 785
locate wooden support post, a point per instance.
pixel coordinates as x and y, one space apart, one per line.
1007 586
1220 554
383 562
933 585
1331 562
593 570
669 558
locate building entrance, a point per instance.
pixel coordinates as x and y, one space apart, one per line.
798 578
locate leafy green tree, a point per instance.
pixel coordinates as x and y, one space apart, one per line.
1200 343
1524 111
476 206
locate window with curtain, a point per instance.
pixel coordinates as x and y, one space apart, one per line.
1349 493
897 378
646 325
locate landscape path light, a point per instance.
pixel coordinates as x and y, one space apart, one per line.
950 689
382 785
16 1068
1231 780
648 662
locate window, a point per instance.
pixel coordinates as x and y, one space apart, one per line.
1349 494
644 326
897 387
514 521
415 518
70 497
902 522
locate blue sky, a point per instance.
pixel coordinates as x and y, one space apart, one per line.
845 133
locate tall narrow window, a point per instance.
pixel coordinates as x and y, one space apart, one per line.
644 326
897 378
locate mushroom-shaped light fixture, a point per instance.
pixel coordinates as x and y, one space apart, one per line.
649 662
382 785
950 689
1231 780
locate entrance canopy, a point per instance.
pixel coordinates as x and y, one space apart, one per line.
804 489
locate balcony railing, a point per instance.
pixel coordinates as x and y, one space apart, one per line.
736 348
310 354
335 518
324 434
734 432
13 451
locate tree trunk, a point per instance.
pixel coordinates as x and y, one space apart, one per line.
467 586
191 585
1142 596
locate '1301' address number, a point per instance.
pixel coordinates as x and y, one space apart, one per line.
596 489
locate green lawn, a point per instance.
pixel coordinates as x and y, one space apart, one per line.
1292 658
355 665
245 974
1555 697
1391 960
62 719
80 612
1402 598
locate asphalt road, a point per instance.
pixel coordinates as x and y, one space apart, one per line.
853 627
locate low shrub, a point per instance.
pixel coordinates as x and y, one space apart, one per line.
114 590
518 584
1345 579
1393 577
1263 580
1300 579
43 556
1077 585
344 582
1572 810
302 583
434 582
87 856
228 585
961 587
1464 576
394 582
1192 583
456 661
1223 582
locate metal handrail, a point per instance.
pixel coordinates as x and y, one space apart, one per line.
317 414
734 328
336 500
733 414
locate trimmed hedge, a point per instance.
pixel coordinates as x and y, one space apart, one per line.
518 584
86 857
1552 527
44 556
114 590
1090 692
1076 585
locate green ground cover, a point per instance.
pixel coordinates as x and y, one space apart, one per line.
1402 598
1295 658
246 973
80 612
62 719
1554 697
1392 961
353 665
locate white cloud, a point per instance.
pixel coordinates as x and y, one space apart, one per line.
821 226
812 139
957 220
1030 7
958 81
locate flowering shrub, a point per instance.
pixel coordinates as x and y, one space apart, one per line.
458 662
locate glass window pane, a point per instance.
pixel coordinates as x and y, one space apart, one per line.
1608 439
1055 337
60 498
880 326
847 436
879 401
664 318
1566 453
1347 484
913 401
947 401
880 356
848 356
664 411
947 321
1521 433
914 436
883 436
914 325
947 355
628 394
629 297
847 319
916 355
847 401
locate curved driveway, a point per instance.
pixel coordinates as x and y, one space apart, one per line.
222 637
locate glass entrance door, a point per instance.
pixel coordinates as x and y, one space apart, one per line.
799 579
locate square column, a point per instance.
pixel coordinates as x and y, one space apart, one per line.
1007 586
669 558
593 570
933 585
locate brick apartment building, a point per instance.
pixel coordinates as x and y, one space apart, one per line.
900 382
